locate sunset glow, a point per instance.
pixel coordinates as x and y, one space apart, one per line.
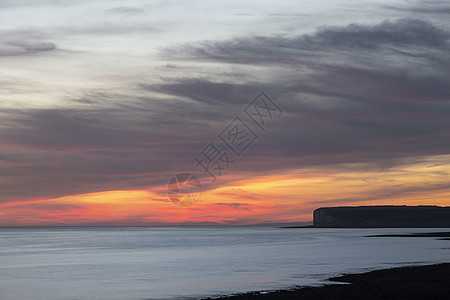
285 197
103 103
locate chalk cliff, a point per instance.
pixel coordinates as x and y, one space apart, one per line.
382 216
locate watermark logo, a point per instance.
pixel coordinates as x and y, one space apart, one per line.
216 157
262 110
238 136
184 189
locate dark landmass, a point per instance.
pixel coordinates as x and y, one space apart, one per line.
418 282
442 235
382 217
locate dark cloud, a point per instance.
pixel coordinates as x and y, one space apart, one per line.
207 92
69 151
19 43
402 32
356 93
328 42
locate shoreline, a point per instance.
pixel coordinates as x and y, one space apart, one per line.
442 235
410 282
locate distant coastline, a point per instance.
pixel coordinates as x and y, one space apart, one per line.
382 217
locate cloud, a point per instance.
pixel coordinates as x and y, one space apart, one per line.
434 7
241 206
402 32
328 42
356 97
361 93
21 43
126 10
209 93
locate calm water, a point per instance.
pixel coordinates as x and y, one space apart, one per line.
180 262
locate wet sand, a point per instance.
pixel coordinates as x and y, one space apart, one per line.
417 282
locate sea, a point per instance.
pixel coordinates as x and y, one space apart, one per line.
137 263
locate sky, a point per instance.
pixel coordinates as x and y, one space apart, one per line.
103 102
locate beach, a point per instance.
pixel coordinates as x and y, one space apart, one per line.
417 282
412 282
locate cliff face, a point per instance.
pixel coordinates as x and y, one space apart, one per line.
382 216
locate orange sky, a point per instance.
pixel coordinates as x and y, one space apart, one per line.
283 197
